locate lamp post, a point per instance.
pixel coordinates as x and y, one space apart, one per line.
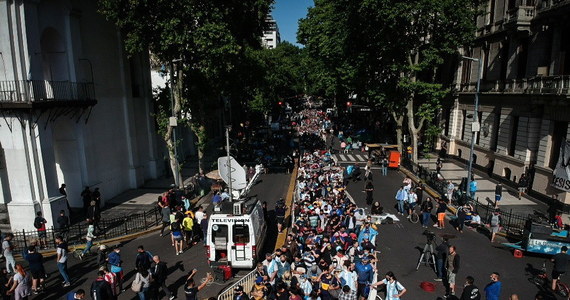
475 125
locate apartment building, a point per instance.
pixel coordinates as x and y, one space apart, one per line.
271 37
524 50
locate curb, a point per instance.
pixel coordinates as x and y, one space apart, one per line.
289 202
435 194
51 253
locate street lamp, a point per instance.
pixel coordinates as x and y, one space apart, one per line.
475 125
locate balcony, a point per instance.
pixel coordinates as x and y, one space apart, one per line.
550 85
520 16
545 6
43 93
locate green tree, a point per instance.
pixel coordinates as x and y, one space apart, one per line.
280 76
412 39
206 39
328 33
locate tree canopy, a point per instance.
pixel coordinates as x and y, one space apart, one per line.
205 43
389 52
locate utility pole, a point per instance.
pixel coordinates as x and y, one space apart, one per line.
475 126
229 161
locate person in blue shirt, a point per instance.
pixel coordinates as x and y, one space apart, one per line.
493 288
364 274
79 294
472 188
401 196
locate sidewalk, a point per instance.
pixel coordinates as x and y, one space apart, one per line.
454 171
143 198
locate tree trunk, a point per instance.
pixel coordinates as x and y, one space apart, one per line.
399 132
201 134
412 128
174 164
176 94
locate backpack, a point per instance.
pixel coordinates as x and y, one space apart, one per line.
38 223
495 220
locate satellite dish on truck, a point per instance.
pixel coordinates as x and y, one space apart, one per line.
237 175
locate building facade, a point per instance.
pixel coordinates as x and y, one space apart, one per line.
524 50
74 109
271 37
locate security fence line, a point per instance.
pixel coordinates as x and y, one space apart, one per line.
75 234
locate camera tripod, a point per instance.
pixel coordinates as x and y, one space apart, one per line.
428 254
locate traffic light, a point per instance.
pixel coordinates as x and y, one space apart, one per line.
280 103
349 106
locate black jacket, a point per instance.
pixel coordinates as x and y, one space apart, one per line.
159 272
143 260
101 290
470 292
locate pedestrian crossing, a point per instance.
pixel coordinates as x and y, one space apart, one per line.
350 158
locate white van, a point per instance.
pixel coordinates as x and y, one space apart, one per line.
235 234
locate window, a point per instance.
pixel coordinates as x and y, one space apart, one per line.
514 131
504 59
491 19
466 67
480 120
220 235
559 133
522 58
447 121
241 233
495 134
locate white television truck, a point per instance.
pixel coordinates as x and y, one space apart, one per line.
235 234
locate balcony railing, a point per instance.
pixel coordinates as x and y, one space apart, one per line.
557 85
546 5
29 91
520 15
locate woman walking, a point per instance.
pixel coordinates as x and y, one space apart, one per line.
142 279
21 284
89 237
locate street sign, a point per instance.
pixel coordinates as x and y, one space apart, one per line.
237 172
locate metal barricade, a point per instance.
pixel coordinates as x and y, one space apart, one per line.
247 282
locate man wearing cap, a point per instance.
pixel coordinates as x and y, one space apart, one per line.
239 293
187 225
364 274
259 290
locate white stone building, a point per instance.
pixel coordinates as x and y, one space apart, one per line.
271 37
74 109
524 48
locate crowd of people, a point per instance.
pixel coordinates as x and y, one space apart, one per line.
330 251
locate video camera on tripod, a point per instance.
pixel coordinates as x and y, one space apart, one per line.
430 235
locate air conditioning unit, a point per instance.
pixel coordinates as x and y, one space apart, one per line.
238 207
542 71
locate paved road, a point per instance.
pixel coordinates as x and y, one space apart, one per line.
271 187
401 245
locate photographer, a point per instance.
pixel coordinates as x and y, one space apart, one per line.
441 252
